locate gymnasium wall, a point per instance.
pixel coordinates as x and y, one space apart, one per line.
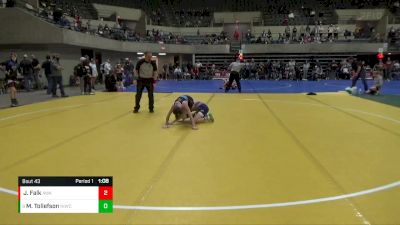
314 48
186 30
123 12
360 14
233 17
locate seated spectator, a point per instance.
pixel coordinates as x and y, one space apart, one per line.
178 73
347 34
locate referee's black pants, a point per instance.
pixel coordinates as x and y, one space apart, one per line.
141 84
234 76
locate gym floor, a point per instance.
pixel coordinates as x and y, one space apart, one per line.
267 159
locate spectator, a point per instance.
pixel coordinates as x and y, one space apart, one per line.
36 70
88 26
119 72
395 73
333 67
391 34
317 73
306 67
336 32
269 35
330 32
346 34
263 37
165 73
27 72
388 69
308 31
294 34
236 35
11 71
302 31
106 69
46 65
83 72
287 32
94 73
253 69
345 70
128 72
292 66
56 76
248 36
178 73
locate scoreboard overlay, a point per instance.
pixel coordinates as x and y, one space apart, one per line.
65 194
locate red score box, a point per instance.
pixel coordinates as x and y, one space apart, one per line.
105 193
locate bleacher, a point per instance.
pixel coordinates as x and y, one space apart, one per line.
72 7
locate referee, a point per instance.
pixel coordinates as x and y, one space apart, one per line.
234 69
146 74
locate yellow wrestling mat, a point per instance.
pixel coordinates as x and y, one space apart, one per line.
267 159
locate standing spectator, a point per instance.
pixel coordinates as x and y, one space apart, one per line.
287 32
94 73
294 33
36 70
336 32
253 69
27 72
46 65
56 76
119 73
11 71
333 70
106 69
190 69
146 74
330 32
88 26
306 67
391 34
302 31
83 71
388 69
292 71
395 73
128 72
165 71
269 36
236 35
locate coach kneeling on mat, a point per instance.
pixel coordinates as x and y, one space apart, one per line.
146 74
